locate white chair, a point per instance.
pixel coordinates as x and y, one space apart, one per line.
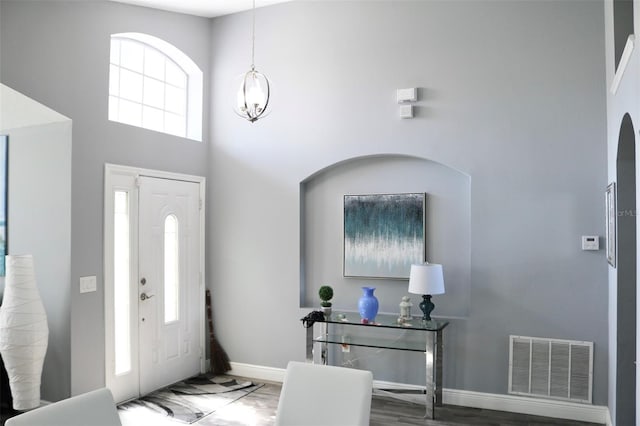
323 395
95 408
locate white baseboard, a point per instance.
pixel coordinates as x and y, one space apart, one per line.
257 372
489 401
608 422
526 405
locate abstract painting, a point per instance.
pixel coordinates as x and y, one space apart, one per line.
4 163
383 234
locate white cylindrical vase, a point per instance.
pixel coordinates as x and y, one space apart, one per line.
24 332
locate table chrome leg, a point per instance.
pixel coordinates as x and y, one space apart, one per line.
430 379
438 368
310 344
325 354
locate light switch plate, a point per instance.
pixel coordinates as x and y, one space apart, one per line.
406 111
407 95
87 284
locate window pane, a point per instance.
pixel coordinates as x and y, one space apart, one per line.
121 283
171 270
175 124
130 113
153 119
115 52
175 75
113 108
131 55
176 100
130 85
114 80
154 63
153 93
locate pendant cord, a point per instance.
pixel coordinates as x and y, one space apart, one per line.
253 36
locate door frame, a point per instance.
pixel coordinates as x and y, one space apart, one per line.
117 177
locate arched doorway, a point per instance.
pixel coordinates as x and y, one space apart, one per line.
626 285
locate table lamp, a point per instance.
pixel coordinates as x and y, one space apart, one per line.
426 279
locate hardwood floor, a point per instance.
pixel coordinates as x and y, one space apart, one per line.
259 408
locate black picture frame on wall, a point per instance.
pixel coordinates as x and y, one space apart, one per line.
383 234
612 218
4 192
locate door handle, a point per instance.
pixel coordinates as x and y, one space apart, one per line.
145 296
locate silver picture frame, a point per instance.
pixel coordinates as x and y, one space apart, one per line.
612 218
383 234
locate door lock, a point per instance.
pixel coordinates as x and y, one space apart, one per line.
143 281
145 296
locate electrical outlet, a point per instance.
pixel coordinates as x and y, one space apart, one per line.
590 242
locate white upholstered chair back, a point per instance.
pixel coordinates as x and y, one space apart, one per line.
322 395
95 408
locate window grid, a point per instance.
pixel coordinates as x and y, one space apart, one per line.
171 117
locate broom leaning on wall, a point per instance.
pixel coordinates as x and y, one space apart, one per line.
218 357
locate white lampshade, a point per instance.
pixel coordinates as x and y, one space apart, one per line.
426 278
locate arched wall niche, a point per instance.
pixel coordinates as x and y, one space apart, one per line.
448 230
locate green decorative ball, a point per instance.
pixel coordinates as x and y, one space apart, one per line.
326 293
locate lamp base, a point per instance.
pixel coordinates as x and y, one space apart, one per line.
426 306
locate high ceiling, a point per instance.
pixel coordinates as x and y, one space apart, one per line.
206 8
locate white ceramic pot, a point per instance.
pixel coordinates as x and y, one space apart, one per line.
24 332
326 310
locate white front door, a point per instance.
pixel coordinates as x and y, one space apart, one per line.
169 298
154 291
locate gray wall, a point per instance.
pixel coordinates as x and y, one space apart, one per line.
39 182
513 95
58 53
623 101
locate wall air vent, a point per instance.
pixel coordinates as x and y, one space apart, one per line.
551 368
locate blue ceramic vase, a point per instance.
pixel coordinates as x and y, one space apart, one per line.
368 304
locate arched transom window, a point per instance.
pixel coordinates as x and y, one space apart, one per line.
154 85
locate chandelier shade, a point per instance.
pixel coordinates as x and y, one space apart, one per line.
253 95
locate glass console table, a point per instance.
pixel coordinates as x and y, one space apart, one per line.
428 341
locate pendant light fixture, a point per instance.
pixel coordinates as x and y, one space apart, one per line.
253 95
